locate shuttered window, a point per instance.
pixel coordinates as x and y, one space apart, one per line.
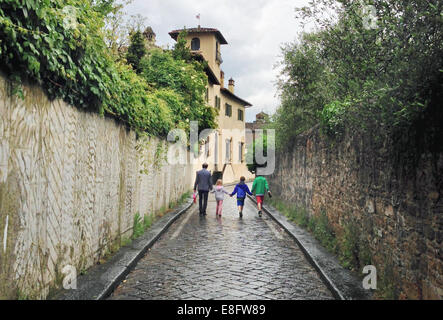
240 115
228 150
228 110
240 151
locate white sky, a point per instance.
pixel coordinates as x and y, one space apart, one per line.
254 30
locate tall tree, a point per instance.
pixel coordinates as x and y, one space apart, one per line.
136 50
375 66
181 51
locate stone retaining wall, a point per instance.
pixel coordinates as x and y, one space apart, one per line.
398 209
70 185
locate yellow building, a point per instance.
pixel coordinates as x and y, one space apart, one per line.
223 150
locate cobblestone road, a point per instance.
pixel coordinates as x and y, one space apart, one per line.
223 258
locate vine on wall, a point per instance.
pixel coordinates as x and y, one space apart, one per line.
60 44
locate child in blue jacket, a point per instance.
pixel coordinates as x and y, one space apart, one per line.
241 189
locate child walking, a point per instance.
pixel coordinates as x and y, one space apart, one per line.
219 196
260 186
241 189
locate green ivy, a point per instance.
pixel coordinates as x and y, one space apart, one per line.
182 84
60 45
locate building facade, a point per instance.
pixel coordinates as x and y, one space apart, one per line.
224 149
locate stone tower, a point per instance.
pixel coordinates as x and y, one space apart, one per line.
149 35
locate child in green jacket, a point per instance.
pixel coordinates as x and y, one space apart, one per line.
260 185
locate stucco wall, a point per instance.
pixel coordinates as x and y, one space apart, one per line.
397 206
70 185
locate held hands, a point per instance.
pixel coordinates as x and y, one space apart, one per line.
269 194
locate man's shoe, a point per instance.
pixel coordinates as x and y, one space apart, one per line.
259 213
241 214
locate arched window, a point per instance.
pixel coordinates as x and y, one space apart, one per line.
195 44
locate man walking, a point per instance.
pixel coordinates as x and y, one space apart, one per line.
260 186
204 184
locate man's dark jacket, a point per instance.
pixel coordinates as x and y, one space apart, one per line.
203 180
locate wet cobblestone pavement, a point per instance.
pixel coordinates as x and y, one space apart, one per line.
223 258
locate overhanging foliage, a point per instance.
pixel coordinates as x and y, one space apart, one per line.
60 44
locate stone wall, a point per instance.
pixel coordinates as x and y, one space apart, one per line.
397 206
70 185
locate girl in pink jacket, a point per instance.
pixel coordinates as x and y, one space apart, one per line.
219 196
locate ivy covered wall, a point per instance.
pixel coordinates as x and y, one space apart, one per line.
71 183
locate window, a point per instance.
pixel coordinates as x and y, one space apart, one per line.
228 150
217 52
240 115
228 110
207 147
207 95
240 151
195 44
217 102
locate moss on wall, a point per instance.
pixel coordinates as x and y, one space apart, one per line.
380 206
70 186
9 222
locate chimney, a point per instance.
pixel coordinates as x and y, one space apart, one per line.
222 79
231 85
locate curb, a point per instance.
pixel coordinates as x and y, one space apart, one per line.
342 284
101 280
